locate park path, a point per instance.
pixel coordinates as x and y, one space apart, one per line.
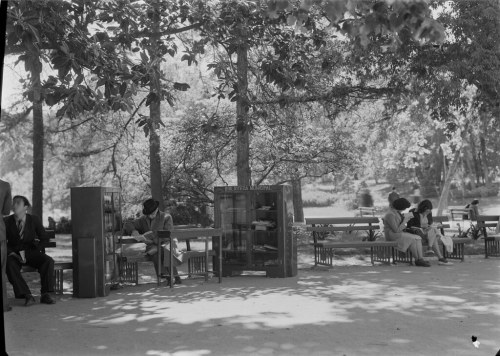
357 310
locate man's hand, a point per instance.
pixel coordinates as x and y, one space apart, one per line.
19 257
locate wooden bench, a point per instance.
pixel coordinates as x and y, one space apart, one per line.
380 251
459 213
491 240
59 267
458 242
366 211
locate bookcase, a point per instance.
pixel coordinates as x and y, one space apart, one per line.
256 223
96 223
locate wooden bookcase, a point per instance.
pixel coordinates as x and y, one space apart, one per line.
96 223
257 229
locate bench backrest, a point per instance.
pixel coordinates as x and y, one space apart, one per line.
42 245
459 213
443 220
366 211
342 220
485 221
369 224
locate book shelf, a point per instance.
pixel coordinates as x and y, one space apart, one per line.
257 230
96 224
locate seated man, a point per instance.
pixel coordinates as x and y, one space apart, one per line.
22 230
421 224
153 220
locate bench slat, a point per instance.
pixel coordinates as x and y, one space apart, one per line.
346 220
357 244
343 228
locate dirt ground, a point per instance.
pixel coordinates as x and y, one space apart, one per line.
345 310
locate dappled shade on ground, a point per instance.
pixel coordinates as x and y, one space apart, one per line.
345 310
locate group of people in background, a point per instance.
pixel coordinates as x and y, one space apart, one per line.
19 233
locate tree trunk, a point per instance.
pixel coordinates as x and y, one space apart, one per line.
475 160
298 207
38 143
155 163
243 172
443 199
155 116
484 160
469 167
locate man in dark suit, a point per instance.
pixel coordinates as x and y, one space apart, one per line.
5 206
22 230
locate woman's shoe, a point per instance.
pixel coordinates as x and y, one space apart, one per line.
422 263
429 252
444 262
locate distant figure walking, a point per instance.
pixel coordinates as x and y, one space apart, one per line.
393 196
5 206
474 212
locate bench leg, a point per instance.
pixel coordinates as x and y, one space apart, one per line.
59 281
136 273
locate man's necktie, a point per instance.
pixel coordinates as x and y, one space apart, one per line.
20 229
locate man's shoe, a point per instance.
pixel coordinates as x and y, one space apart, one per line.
8 308
29 300
47 299
422 263
429 253
178 280
444 262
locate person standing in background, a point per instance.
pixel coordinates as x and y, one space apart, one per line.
5 206
393 196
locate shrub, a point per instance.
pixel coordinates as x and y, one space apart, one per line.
63 226
314 203
351 204
490 190
189 215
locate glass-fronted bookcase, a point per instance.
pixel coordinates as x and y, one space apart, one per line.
96 224
257 229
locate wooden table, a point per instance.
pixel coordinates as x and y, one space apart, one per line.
187 235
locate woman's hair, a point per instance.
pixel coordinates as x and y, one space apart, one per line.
424 205
401 204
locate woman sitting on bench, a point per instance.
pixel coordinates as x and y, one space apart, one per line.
421 224
395 223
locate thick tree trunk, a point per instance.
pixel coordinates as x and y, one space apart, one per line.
243 172
155 117
38 144
443 199
155 162
298 207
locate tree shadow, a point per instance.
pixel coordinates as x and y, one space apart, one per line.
394 309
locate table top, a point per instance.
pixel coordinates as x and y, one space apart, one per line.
181 235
